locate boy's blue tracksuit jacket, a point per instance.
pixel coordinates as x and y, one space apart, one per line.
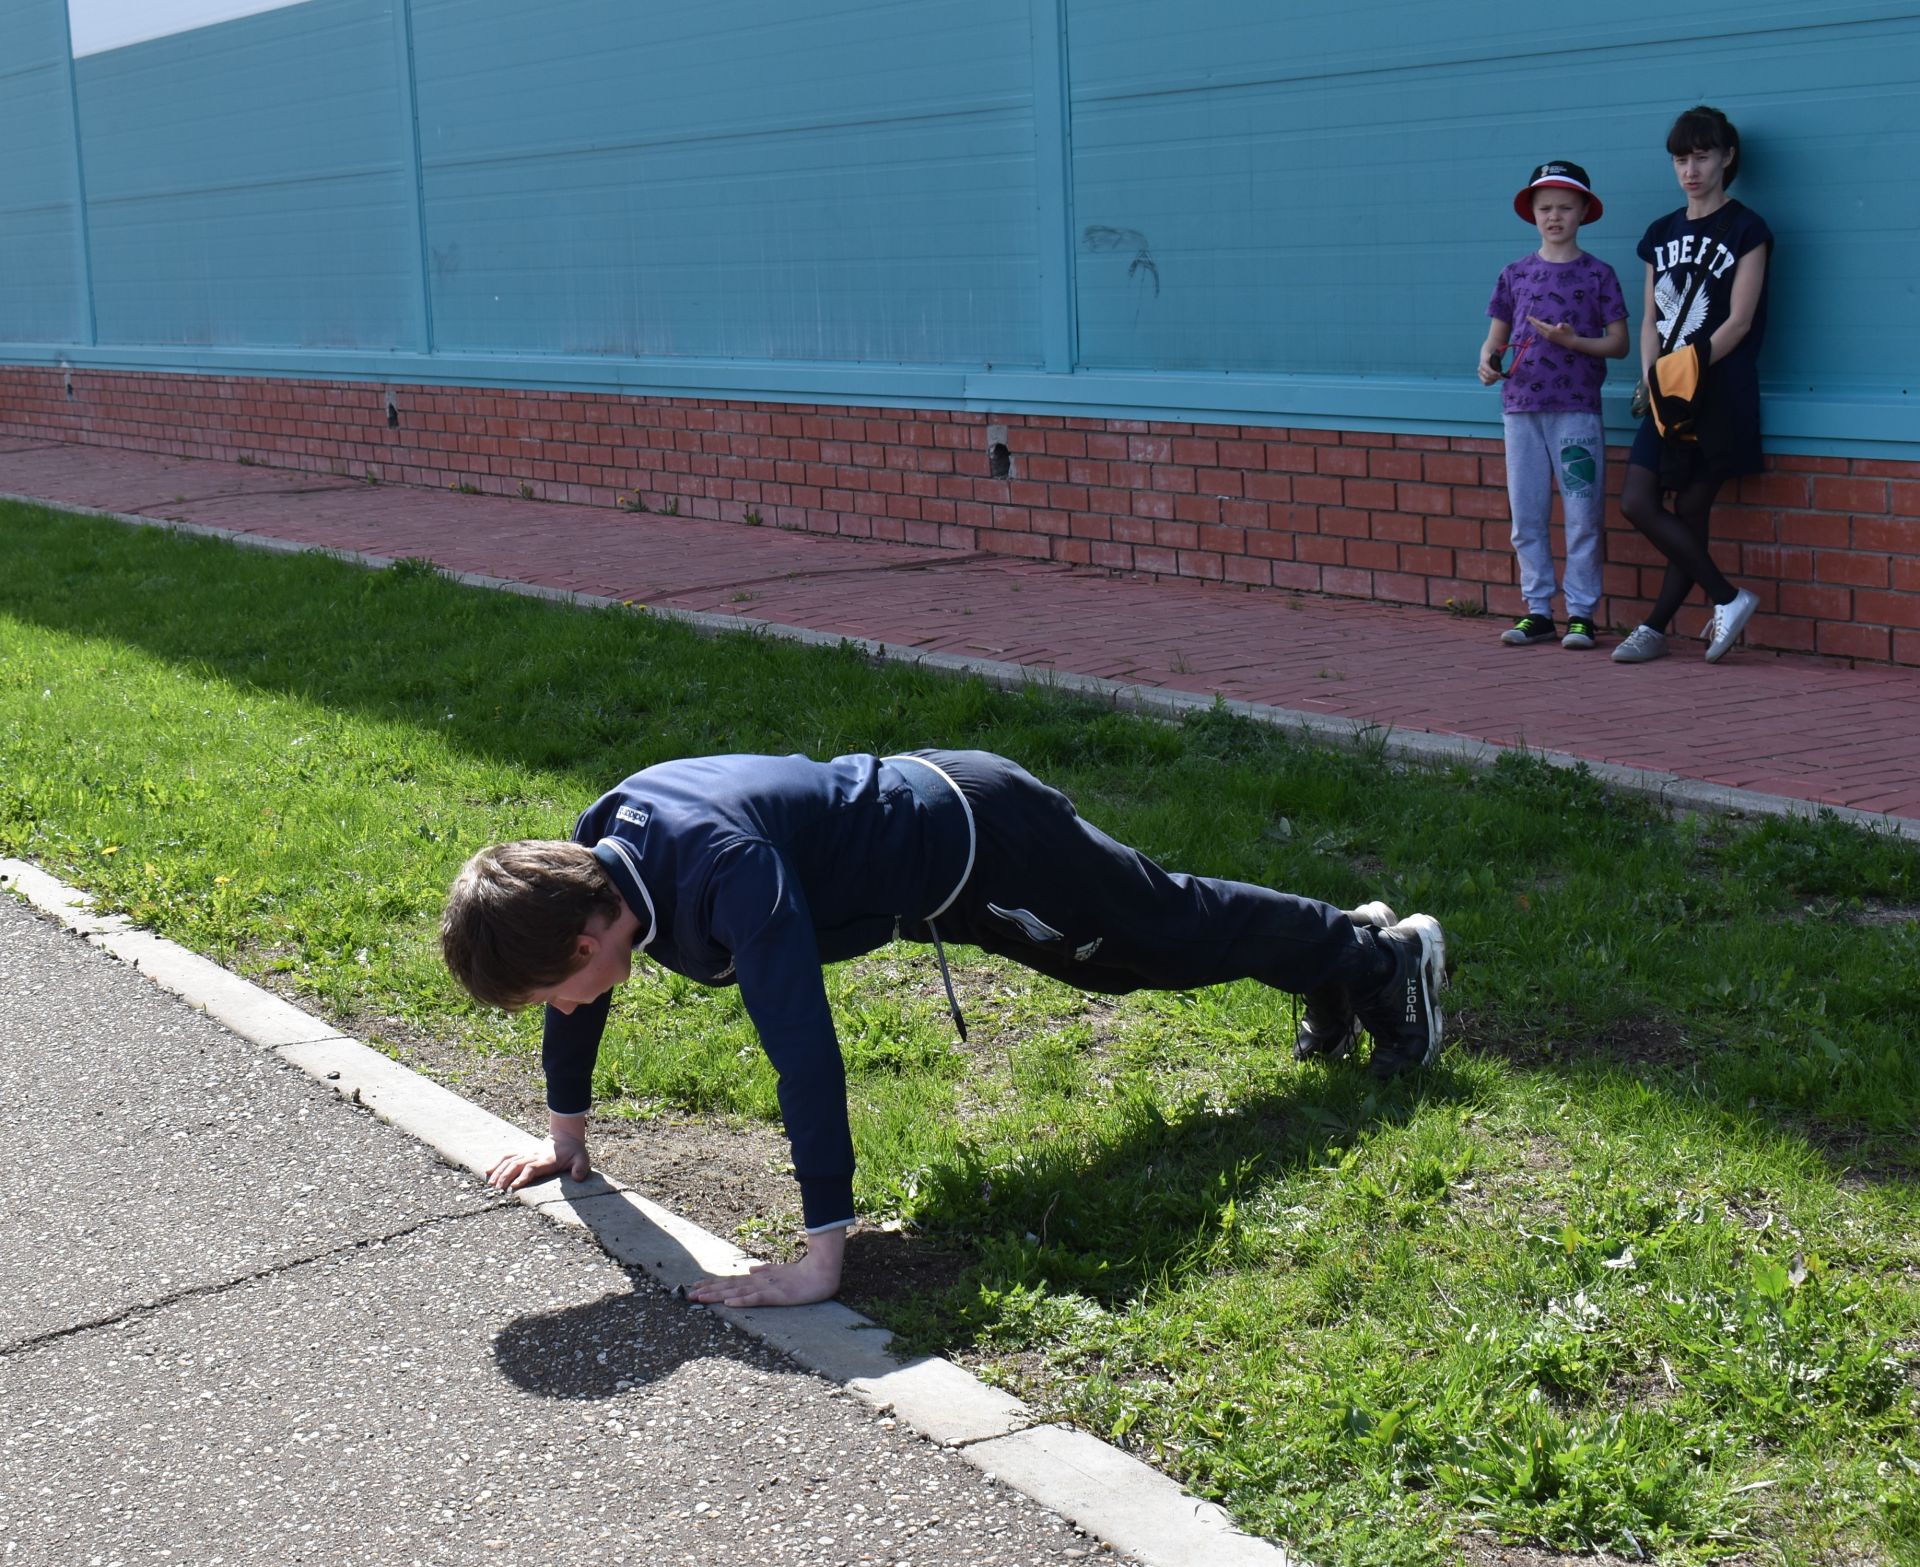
755 870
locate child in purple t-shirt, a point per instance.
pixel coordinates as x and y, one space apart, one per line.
1565 316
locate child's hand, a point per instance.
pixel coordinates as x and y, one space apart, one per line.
1560 334
563 1153
1488 374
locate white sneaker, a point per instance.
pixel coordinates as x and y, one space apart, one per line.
1729 620
1642 646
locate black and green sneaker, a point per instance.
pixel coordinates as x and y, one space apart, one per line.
1581 632
1529 629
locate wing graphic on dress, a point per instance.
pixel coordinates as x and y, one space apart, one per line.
1669 289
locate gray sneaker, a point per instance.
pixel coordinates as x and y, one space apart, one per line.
1729 620
1328 1027
1642 646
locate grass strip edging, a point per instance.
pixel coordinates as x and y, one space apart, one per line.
1670 791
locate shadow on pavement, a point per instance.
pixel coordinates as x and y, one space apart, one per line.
602 1348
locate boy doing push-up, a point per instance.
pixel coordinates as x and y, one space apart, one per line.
756 870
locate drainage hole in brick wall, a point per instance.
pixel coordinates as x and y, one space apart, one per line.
999 460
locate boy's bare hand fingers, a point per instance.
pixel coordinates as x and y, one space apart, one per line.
513 1172
768 1284
732 1290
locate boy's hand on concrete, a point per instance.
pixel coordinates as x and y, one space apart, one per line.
563 1153
815 1276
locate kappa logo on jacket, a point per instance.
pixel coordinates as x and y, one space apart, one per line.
632 815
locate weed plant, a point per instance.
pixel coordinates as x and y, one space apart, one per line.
1634 1269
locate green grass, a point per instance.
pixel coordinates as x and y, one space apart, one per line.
1634 1268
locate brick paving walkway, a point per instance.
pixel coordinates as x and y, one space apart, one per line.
1805 728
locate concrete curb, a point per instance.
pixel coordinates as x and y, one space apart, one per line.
1108 1493
1671 791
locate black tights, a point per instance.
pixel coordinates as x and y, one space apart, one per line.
1680 535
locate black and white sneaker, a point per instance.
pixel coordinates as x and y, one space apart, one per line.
1328 1027
1403 1015
1529 629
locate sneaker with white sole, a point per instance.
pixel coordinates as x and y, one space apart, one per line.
1328 1028
1642 646
1581 632
1528 629
1404 1015
1729 620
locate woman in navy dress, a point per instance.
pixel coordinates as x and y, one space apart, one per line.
1726 319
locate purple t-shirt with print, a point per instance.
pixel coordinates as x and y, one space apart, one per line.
1583 292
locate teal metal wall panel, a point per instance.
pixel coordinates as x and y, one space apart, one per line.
1226 210
741 178
1323 189
244 185
1831 119
40 287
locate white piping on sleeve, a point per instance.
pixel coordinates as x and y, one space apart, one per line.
632 863
972 837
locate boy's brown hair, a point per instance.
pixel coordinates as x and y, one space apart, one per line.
514 913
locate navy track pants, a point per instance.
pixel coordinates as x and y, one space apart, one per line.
1055 893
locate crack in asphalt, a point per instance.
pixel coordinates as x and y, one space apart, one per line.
148 1308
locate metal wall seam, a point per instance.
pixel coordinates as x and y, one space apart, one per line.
410 165
1053 188
83 233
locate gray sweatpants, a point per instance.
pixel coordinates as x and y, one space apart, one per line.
1569 449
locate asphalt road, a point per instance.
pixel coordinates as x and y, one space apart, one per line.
242 1321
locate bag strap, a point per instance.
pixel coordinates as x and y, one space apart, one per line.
1699 274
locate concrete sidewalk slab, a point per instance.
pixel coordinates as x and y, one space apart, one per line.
939 1400
1104 1491
145 1158
460 1132
242 1320
487 1391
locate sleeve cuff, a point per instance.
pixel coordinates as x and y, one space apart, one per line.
827 1203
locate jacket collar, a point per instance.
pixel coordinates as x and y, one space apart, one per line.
621 861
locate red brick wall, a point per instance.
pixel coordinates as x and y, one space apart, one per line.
1831 544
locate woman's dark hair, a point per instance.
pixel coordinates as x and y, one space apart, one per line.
1702 129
